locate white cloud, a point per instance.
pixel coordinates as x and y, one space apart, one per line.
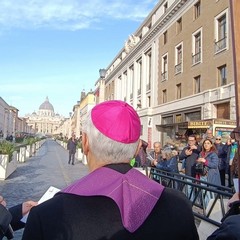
69 14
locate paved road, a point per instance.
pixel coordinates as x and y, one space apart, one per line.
49 167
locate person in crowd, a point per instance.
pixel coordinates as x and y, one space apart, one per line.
190 154
232 149
71 147
141 157
222 150
235 166
230 227
209 135
155 155
15 215
114 201
209 158
169 162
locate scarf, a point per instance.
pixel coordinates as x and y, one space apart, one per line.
134 193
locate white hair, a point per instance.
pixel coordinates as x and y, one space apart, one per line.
105 149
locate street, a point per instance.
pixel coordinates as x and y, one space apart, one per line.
49 167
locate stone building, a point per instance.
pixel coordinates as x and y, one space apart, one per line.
176 70
45 121
10 122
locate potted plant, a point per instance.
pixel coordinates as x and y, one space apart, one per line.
8 159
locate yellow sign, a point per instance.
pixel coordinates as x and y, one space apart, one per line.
199 124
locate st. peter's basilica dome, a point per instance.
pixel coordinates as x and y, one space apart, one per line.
46 105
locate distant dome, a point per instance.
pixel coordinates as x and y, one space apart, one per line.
46 105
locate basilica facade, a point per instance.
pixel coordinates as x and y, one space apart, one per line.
45 121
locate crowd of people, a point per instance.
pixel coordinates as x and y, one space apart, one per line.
209 160
116 201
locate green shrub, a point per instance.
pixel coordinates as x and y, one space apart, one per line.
7 148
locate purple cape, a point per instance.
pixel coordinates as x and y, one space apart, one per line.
134 193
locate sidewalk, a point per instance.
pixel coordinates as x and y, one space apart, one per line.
49 167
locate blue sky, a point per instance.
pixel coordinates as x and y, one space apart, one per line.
55 48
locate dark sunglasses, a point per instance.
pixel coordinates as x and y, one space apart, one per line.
218 139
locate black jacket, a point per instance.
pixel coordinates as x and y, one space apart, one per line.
73 217
15 223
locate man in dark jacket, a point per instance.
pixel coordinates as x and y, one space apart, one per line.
114 201
190 153
71 147
230 227
10 220
222 150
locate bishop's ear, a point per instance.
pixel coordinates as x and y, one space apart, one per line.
85 143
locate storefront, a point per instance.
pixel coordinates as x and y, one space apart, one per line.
220 127
177 132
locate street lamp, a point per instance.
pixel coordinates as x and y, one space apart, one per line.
102 72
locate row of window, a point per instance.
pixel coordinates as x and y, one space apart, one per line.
222 80
220 44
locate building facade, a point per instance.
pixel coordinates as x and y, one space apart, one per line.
45 121
10 123
177 70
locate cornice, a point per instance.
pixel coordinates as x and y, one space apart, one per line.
159 24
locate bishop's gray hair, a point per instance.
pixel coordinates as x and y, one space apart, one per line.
105 149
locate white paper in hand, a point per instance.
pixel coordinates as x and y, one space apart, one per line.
47 195
235 183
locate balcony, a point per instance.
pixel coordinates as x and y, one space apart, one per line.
178 68
220 45
196 58
164 76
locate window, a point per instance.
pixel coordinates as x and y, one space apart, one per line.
164 96
197 47
197 9
197 84
179 25
164 67
165 7
165 37
148 69
221 33
223 110
179 90
222 75
149 101
178 59
139 76
131 79
124 85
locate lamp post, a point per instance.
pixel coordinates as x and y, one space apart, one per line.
101 81
102 73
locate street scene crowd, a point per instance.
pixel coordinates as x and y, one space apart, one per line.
129 204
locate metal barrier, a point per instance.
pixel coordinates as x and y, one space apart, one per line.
204 196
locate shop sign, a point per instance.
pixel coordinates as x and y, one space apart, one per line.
199 124
224 122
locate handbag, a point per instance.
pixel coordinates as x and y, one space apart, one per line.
201 169
5 220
